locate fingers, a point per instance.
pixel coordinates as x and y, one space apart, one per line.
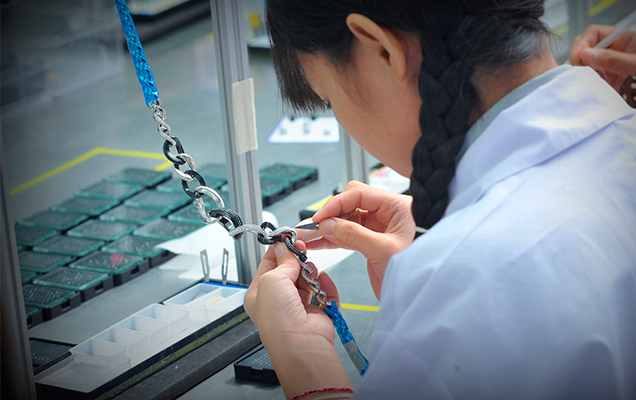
308 235
329 287
353 236
356 195
592 35
610 61
279 257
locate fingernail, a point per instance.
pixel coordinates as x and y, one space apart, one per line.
326 226
279 250
590 55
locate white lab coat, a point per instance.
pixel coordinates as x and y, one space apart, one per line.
526 289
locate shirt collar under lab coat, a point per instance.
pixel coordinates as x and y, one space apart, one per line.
555 116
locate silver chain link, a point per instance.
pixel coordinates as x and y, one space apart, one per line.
159 115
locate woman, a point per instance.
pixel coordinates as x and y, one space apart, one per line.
522 178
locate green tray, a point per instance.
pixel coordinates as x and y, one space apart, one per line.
161 200
44 297
102 230
69 278
213 171
110 263
298 175
27 276
58 220
175 186
165 229
110 190
71 246
30 311
86 205
271 185
146 177
189 214
135 215
135 245
41 262
31 235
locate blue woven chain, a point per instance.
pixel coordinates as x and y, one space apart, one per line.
144 74
346 337
151 96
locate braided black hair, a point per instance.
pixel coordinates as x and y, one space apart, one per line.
458 37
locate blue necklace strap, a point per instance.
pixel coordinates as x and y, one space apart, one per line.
346 337
144 74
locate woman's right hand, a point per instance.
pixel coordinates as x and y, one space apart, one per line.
383 228
615 63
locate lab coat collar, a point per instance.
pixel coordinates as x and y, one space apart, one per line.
563 112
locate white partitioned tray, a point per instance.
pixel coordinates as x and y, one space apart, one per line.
141 336
207 302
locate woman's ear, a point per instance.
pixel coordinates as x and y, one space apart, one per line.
380 43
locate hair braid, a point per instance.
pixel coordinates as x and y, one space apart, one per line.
447 98
457 38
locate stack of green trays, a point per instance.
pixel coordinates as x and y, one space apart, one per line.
135 245
135 215
33 316
138 176
190 214
160 200
58 220
45 353
102 230
274 189
175 185
41 262
85 282
142 247
52 301
77 247
31 235
20 247
213 171
27 276
123 266
110 190
166 230
299 176
86 205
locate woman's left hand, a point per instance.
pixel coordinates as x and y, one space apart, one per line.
278 298
299 337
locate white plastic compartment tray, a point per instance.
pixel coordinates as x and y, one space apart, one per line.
84 373
133 340
120 347
207 302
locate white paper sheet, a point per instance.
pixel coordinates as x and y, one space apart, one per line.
214 238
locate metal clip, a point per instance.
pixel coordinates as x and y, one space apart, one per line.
205 265
224 265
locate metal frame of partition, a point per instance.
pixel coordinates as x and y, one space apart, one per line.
233 66
16 369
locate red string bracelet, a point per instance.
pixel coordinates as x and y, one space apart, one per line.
347 390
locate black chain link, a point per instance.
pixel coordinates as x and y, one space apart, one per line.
166 151
184 184
228 218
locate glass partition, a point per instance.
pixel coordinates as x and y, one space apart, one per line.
569 18
86 171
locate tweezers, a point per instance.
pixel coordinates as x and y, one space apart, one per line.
313 226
